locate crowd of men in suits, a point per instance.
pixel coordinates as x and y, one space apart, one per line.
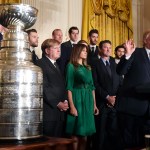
124 111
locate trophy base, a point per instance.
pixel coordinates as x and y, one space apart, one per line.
23 141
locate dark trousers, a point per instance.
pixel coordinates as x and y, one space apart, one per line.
53 128
132 130
107 135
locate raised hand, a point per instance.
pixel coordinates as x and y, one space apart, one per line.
130 47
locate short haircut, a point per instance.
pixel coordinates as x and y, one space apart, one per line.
55 31
103 42
47 44
119 46
145 36
73 28
83 42
30 30
93 31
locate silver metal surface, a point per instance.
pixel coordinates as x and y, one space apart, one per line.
17 14
21 82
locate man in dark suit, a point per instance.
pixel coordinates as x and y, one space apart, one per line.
119 52
66 48
93 48
106 82
33 42
57 35
133 107
54 92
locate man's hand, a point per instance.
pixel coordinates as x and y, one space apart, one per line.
63 106
111 100
3 29
130 47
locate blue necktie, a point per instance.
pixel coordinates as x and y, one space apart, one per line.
108 68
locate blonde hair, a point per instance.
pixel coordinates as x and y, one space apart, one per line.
47 44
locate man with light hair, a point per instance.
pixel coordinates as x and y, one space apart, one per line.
57 35
133 105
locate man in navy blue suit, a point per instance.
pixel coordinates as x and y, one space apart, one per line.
33 42
134 107
66 48
93 48
107 83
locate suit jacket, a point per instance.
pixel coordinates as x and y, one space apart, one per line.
53 90
91 58
34 57
1 36
104 84
66 49
136 71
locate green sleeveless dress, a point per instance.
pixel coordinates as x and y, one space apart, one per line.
79 81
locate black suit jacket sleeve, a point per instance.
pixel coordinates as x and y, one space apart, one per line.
124 65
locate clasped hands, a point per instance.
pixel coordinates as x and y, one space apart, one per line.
63 106
111 101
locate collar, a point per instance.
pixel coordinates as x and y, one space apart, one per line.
51 60
104 61
93 46
148 51
32 49
73 42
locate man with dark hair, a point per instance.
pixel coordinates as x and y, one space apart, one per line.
93 48
33 42
119 52
66 48
57 35
106 82
54 91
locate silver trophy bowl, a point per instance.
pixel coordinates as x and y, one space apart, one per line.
21 82
17 14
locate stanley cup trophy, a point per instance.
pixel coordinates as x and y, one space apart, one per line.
21 93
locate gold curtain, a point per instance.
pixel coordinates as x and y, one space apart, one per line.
9 1
112 18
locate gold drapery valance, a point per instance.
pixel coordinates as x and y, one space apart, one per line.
113 19
9 1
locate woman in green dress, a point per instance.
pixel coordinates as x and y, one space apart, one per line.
81 96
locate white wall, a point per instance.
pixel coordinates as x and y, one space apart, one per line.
56 14
66 13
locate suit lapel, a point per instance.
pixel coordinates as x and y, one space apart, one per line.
69 44
52 66
104 68
146 60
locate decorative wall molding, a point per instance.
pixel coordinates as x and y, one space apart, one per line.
56 14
